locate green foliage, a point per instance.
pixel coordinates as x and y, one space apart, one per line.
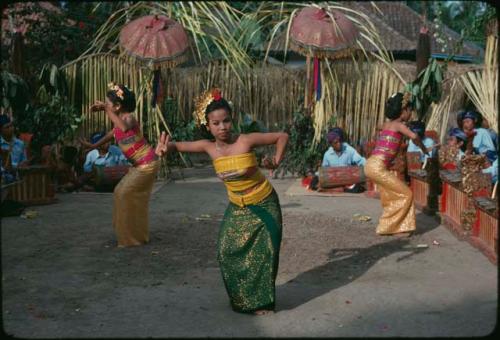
15 97
426 89
54 121
468 18
301 155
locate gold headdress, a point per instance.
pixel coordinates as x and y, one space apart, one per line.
114 87
202 102
406 100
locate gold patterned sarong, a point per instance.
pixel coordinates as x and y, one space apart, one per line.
131 204
396 197
250 234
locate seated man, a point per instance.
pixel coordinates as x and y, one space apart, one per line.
481 138
452 152
13 151
419 128
341 154
106 155
493 171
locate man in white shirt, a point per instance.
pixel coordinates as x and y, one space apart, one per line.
106 155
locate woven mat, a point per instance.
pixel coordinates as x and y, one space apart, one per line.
296 189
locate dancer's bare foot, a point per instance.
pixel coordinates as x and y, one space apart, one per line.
263 312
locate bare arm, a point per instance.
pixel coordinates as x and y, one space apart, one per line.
107 138
165 145
123 125
278 138
413 136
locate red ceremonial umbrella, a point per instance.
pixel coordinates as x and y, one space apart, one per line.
313 33
155 40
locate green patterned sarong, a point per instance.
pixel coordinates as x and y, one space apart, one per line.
248 253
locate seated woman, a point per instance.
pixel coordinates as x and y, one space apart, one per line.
340 154
419 128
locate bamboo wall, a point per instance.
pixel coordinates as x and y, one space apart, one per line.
268 93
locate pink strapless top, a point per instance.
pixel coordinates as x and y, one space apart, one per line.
134 146
387 145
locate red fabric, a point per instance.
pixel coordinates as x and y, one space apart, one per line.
306 181
449 166
217 95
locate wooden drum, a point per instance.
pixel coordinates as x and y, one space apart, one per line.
331 177
106 178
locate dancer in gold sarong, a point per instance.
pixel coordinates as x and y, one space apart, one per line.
398 216
250 233
131 195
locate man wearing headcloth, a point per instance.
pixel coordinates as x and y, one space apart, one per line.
481 141
105 155
419 128
341 153
13 151
457 138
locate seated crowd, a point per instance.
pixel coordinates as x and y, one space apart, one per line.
100 171
471 137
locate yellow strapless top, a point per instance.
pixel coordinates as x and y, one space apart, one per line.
232 170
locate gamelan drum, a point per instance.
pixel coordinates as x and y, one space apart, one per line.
330 177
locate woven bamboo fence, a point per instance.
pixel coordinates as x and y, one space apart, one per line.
268 93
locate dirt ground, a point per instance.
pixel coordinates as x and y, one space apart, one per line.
63 277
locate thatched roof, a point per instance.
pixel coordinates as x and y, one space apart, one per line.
408 22
398 27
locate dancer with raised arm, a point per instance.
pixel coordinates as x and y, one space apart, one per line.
250 233
398 216
131 195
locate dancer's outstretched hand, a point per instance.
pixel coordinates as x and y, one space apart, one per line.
269 163
161 148
97 106
85 144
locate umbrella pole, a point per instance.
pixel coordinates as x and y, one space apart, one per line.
160 114
308 76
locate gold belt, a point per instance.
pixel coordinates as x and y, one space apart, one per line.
254 197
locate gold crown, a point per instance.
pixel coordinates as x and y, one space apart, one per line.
406 100
118 91
202 102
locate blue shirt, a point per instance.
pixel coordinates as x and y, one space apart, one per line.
18 152
493 171
348 156
482 141
428 143
113 157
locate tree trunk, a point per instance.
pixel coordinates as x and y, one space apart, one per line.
423 50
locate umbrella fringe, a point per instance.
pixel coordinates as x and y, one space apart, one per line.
332 54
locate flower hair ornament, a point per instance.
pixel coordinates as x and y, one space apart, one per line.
202 102
118 91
